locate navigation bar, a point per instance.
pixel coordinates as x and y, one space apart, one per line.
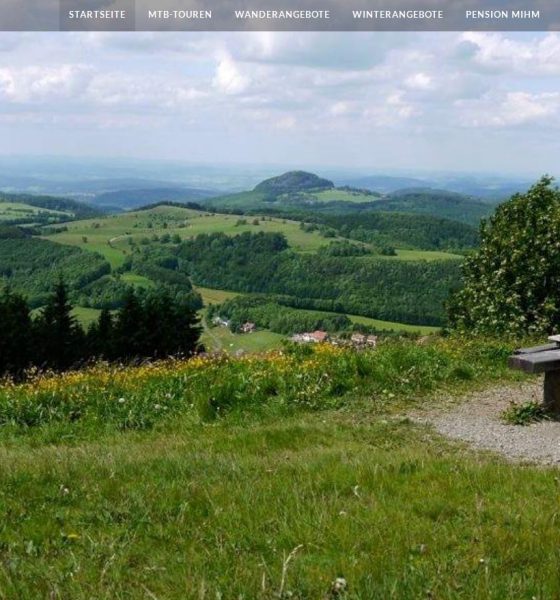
284 15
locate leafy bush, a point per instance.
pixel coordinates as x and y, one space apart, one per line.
525 413
511 284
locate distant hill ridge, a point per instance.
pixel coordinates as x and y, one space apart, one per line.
79 210
293 181
134 198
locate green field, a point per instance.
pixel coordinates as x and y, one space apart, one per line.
414 255
110 236
273 498
137 280
222 339
86 316
342 196
10 211
390 326
210 296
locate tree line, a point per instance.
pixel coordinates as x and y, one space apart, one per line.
392 290
267 313
147 326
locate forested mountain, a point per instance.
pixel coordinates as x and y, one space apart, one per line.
442 203
293 181
32 267
301 194
73 209
409 292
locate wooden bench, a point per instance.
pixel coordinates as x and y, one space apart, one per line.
542 359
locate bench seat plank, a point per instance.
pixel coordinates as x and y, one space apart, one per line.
542 348
537 362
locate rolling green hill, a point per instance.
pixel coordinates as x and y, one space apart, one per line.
27 209
145 247
449 205
293 181
32 267
114 235
303 193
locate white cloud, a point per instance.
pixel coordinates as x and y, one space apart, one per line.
512 109
228 78
419 81
39 84
392 110
351 87
497 52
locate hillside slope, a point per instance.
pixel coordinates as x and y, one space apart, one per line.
304 193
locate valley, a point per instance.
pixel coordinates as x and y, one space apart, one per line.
387 271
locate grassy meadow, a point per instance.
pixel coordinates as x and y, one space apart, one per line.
110 236
222 339
10 211
335 195
211 296
267 477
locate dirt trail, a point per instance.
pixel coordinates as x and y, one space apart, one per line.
476 419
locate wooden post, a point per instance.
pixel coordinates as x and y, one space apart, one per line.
552 391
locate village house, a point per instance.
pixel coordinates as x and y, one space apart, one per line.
248 327
313 337
220 322
358 339
371 340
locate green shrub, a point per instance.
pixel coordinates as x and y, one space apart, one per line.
525 413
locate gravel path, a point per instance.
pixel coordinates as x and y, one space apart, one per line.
476 419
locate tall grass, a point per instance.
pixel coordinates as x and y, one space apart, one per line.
298 377
198 501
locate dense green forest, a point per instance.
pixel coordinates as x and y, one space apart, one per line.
152 325
267 313
441 203
409 292
402 230
31 266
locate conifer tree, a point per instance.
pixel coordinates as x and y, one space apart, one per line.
16 334
129 331
58 336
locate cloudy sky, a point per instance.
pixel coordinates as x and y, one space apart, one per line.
440 101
